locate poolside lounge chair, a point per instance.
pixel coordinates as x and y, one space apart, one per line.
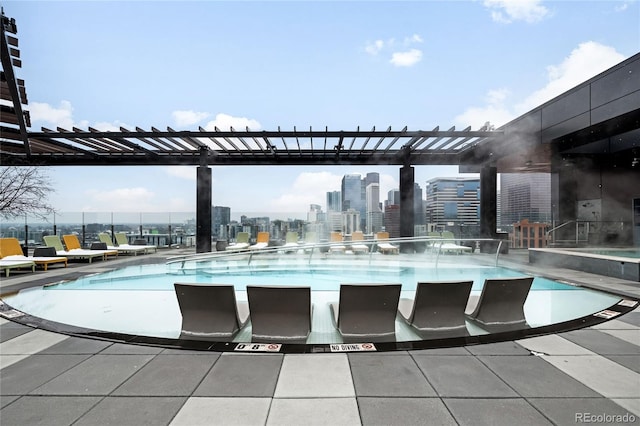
310 240
356 245
123 242
210 312
291 242
8 265
242 242
500 306
73 243
366 312
10 250
336 240
262 241
122 249
55 242
451 248
385 247
280 313
437 310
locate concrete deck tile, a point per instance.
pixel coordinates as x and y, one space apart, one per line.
223 411
381 375
35 370
46 410
600 374
630 404
242 375
615 324
631 336
317 376
98 375
495 412
404 411
601 342
168 375
139 411
442 351
462 377
532 376
632 362
632 318
572 411
7 360
124 349
77 345
553 344
310 412
501 348
31 343
9 330
6 400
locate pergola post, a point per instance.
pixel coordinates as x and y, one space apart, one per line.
407 178
203 206
488 209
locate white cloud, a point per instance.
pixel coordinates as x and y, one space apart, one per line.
584 62
225 121
508 11
416 38
45 115
137 199
182 172
622 7
188 118
374 48
406 59
308 188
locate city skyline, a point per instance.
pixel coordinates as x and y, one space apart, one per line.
306 64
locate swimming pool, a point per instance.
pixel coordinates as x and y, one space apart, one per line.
140 300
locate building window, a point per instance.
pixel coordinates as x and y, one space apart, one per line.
450 210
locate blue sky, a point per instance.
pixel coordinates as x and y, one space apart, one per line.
322 64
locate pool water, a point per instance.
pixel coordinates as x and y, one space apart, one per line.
140 300
630 253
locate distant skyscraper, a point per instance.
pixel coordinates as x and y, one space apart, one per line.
334 201
314 214
392 220
353 194
419 216
221 218
374 219
393 197
524 196
453 201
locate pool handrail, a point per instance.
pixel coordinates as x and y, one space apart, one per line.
312 248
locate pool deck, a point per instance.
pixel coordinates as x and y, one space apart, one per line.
576 377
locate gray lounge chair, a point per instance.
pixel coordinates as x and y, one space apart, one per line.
210 312
280 313
366 312
500 306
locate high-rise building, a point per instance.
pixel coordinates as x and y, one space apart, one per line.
314 214
350 221
524 196
220 220
392 220
393 197
374 219
419 216
353 196
334 201
453 201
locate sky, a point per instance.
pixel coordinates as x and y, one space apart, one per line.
270 64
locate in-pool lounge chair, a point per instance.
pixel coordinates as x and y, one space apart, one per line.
280 313
500 306
437 310
123 242
385 247
10 250
55 242
357 245
8 265
210 312
73 243
124 249
336 243
366 312
291 242
262 241
242 242
310 240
